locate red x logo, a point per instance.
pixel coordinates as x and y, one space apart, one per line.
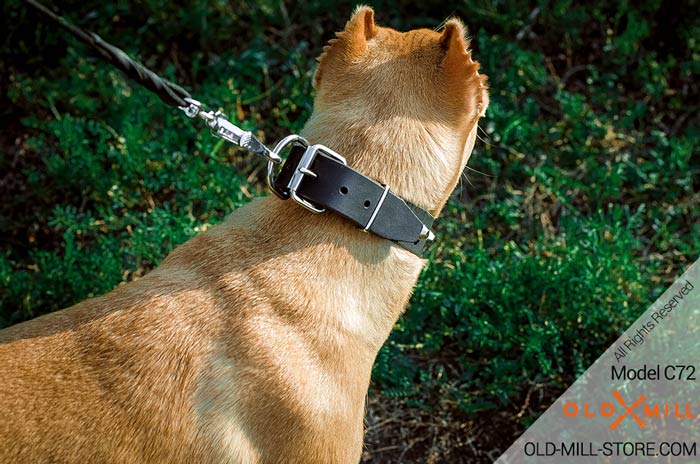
628 410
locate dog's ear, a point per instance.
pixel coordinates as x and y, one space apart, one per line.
360 28
350 42
457 62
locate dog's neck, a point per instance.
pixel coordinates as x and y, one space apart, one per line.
336 278
397 151
367 280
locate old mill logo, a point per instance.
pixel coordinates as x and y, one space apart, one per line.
638 411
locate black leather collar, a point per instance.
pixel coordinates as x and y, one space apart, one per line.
324 182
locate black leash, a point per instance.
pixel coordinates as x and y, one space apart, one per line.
170 93
167 91
314 176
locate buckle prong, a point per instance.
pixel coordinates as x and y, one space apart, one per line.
306 172
302 170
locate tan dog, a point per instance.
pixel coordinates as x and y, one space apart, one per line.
254 342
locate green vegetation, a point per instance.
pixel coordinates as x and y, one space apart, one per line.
587 209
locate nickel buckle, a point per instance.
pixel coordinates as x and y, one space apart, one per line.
300 171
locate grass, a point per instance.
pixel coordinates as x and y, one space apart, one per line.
580 207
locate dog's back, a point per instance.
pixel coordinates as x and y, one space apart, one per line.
102 381
201 360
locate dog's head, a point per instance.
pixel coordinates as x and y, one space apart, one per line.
403 106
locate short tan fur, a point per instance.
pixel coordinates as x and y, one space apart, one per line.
254 342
